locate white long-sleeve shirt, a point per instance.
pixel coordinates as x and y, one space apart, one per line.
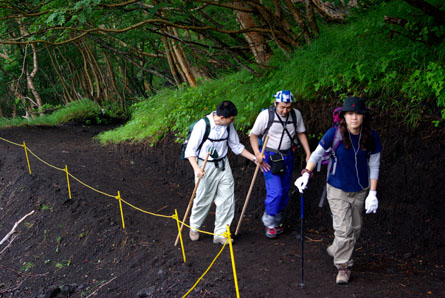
216 132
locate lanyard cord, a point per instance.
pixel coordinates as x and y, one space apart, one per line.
355 154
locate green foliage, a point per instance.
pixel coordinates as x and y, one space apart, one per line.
26 266
83 111
82 235
361 58
396 67
64 263
45 207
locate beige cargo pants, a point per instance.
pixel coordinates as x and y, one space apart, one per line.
347 209
216 186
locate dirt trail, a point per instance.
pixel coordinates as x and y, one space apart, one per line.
71 248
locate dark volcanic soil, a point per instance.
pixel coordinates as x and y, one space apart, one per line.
77 247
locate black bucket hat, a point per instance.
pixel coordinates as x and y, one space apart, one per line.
354 104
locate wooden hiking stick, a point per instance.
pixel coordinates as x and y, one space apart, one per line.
251 187
191 198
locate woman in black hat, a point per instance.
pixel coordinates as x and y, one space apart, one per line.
352 180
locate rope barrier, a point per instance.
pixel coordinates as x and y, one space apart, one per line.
92 188
41 160
175 216
144 211
17 144
202 276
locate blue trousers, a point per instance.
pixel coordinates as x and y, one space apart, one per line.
277 186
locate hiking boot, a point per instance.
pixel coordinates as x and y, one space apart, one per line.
271 233
343 274
279 230
330 251
194 235
220 240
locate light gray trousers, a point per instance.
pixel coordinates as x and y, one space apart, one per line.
347 209
216 186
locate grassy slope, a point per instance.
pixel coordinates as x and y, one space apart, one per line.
355 58
360 58
72 111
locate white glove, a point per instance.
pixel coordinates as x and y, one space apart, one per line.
301 182
371 202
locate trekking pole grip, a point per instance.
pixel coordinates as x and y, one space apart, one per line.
251 187
192 197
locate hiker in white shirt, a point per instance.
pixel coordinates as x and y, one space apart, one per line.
216 183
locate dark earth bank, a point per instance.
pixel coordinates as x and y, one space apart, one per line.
77 247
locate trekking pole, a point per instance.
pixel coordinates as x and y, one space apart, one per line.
251 187
191 198
302 240
323 196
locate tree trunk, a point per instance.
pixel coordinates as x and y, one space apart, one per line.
75 82
30 76
311 18
299 20
59 75
95 70
89 88
332 11
256 41
112 77
168 54
182 60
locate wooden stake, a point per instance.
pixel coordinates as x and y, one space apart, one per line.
191 198
251 187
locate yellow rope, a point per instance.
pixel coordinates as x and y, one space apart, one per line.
148 212
48 164
92 188
17 144
211 264
203 232
175 216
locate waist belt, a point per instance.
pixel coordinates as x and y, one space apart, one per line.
287 151
217 161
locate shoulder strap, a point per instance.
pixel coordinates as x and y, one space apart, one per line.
337 139
271 111
294 119
333 161
206 133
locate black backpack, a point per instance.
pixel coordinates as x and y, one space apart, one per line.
189 132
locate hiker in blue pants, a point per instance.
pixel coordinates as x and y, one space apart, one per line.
282 123
352 180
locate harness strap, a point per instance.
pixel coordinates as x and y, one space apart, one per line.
335 143
218 140
278 151
216 161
